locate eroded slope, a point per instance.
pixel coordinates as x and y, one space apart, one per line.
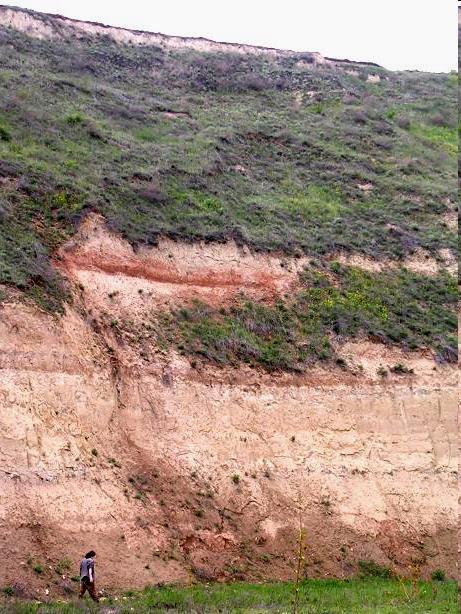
180 469
227 301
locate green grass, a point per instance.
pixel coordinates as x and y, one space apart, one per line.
341 302
315 597
444 136
245 159
220 146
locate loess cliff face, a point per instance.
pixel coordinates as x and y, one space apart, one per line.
227 308
139 459
58 27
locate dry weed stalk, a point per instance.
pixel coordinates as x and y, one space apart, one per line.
414 576
300 555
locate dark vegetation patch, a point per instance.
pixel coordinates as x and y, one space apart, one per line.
335 304
268 151
371 569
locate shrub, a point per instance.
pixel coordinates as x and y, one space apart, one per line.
438 575
203 575
403 122
369 568
236 478
152 195
255 83
440 120
63 565
316 107
4 134
391 114
147 134
401 369
359 117
308 58
75 118
8 591
38 568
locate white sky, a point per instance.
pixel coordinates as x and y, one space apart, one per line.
398 34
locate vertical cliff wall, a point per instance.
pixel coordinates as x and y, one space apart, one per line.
178 469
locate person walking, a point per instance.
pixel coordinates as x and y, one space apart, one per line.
87 576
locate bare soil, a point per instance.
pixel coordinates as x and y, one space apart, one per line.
170 471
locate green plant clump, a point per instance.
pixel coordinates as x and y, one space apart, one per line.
63 566
438 575
372 569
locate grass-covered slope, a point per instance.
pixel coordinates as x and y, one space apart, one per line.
391 307
271 151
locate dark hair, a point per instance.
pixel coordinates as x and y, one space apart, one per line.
90 554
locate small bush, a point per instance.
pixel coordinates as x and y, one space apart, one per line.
265 557
203 575
63 565
4 134
316 107
236 478
369 569
94 452
440 120
401 369
38 568
403 122
146 134
438 575
359 117
8 591
74 119
255 83
391 114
